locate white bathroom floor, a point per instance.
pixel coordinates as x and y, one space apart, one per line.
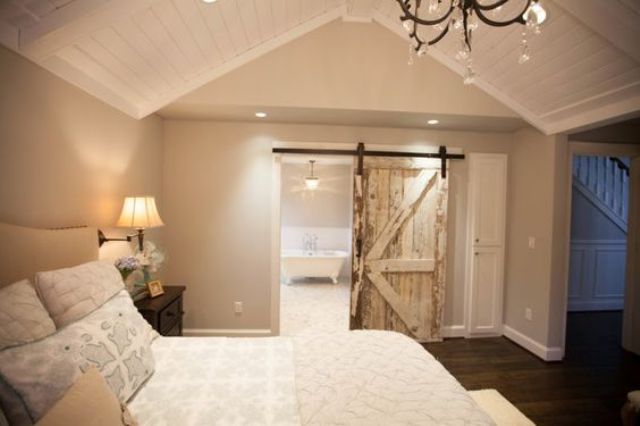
314 306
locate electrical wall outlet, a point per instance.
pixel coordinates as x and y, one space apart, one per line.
532 242
528 314
237 307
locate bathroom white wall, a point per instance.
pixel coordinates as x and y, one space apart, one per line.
325 212
217 210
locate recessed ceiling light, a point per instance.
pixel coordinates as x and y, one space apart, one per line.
209 1
261 114
433 122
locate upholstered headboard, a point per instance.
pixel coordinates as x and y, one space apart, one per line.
25 251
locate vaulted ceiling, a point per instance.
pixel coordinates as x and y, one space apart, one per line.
141 55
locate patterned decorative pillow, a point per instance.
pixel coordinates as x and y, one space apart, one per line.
23 319
114 338
71 293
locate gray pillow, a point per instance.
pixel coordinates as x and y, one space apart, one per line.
71 293
23 319
114 338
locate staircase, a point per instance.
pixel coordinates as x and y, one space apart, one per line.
605 182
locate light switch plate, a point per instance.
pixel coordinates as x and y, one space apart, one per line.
532 242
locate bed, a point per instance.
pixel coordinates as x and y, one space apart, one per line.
360 377
351 378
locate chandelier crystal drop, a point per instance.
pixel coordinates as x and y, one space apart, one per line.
462 18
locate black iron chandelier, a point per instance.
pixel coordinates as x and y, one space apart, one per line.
463 16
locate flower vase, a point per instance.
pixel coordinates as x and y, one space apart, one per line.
146 277
125 275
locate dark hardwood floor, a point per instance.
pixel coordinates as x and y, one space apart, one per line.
588 387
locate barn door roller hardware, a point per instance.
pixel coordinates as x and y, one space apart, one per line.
360 152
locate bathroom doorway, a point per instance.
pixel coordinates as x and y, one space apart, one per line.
316 197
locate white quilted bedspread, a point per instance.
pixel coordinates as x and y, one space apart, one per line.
219 381
377 378
354 378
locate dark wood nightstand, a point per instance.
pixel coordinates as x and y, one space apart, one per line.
164 312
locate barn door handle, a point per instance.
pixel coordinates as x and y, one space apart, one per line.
358 247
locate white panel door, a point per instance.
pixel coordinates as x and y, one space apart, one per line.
486 233
486 290
488 193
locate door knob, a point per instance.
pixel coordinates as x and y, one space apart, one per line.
477 240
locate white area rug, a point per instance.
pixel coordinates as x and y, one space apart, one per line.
499 408
314 306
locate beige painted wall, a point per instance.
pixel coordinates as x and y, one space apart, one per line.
532 183
216 192
539 206
626 132
344 65
66 158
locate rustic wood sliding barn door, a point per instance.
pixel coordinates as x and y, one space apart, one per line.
400 233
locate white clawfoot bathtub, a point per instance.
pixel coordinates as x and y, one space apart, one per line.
312 264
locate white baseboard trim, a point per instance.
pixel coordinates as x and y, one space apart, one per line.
454 331
596 305
228 332
536 348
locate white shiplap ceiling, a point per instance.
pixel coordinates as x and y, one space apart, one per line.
140 55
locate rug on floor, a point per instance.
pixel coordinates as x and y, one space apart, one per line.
499 408
314 306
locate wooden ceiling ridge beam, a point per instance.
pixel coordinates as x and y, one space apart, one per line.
79 18
623 31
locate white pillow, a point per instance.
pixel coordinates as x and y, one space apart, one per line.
114 338
23 319
71 293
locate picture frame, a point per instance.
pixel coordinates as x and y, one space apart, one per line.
155 288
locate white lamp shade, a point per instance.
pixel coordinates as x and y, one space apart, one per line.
139 212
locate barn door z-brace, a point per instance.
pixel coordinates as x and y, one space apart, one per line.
360 153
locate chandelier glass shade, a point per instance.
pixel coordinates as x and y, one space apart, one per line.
462 17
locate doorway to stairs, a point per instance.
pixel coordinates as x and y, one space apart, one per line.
599 226
598 253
